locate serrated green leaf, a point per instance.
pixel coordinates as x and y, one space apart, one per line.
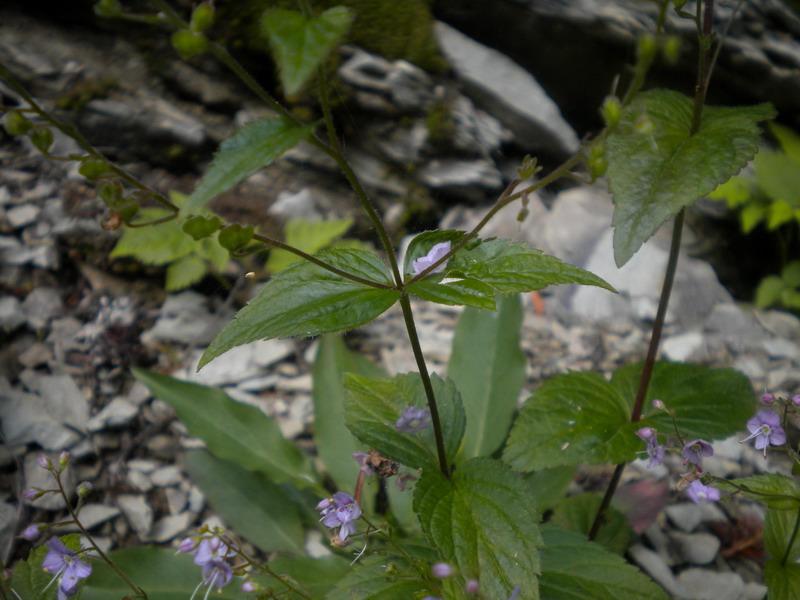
512 268
783 581
577 514
231 430
184 272
777 492
576 569
308 236
483 521
489 366
372 579
549 486
652 175
155 244
252 147
235 236
252 505
335 444
372 407
160 572
305 300
468 292
299 44
769 291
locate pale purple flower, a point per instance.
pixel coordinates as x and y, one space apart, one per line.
187 545
210 555
659 404
365 467
31 493
69 570
413 420
434 254
251 586
796 400
211 550
694 451
442 570
698 492
472 586
767 398
654 450
340 511
31 532
766 428
217 574
43 461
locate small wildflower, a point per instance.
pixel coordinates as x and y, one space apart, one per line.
767 398
211 549
63 459
68 569
796 400
340 511
654 450
187 545
32 493
472 586
694 451
766 428
698 492
31 532
43 461
442 570
362 459
251 586
434 254
210 555
659 404
413 420
84 489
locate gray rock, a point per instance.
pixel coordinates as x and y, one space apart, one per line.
781 348
21 216
654 565
185 319
171 526
176 500
508 92
166 476
239 363
697 548
467 177
39 478
373 172
144 465
137 512
116 413
705 584
26 418
739 328
401 145
92 515
62 398
11 313
139 481
41 305
683 346
36 354
686 516
296 205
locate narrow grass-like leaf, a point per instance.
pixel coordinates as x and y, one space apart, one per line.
252 505
483 520
252 147
373 406
488 368
655 167
299 44
305 300
576 569
232 430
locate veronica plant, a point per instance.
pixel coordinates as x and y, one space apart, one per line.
480 471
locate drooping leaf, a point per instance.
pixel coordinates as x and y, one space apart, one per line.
483 520
252 147
232 431
778 527
657 170
378 578
200 227
158 571
235 236
252 505
576 569
335 444
373 406
577 513
299 44
778 492
308 236
488 367
305 300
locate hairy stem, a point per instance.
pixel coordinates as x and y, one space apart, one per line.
408 316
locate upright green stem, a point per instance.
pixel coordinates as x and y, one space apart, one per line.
408 316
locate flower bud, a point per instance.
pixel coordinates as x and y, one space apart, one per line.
111 192
84 489
31 532
42 138
43 461
442 570
767 398
187 545
472 586
16 123
659 404
32 493
646 433
671 48
202 17
796 400
189 43
644 126
646 48
63 459
611 111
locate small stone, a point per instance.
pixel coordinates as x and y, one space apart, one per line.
36 354
166 476
196 499
680 348
21 216
296 205
781 348
11 313
685 515
652 564
176 500
117 413
170 527
143 465
137 512
697 548
140 481
755 591
706 584
185 319
91 516
41 305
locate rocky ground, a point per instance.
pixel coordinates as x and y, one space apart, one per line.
73 321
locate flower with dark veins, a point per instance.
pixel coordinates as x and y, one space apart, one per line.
434 254
340 511
766 428
694 451
68 569
698 492
413 420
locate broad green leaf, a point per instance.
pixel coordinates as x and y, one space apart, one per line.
576 569
308 236
299 44
791 299
379 578
788 139
316 576
232 431
783 581
252 505
421 244
777 492
305 300
469 292
572 419
155 244
778 528
779 213
483 520
373 406
577 513
549 486
252 147
653 174
29 580
769 291
200 227
184 272
778 175
235 236
488 367
752 215
511 268
160 572
335 444
791 274
736 191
